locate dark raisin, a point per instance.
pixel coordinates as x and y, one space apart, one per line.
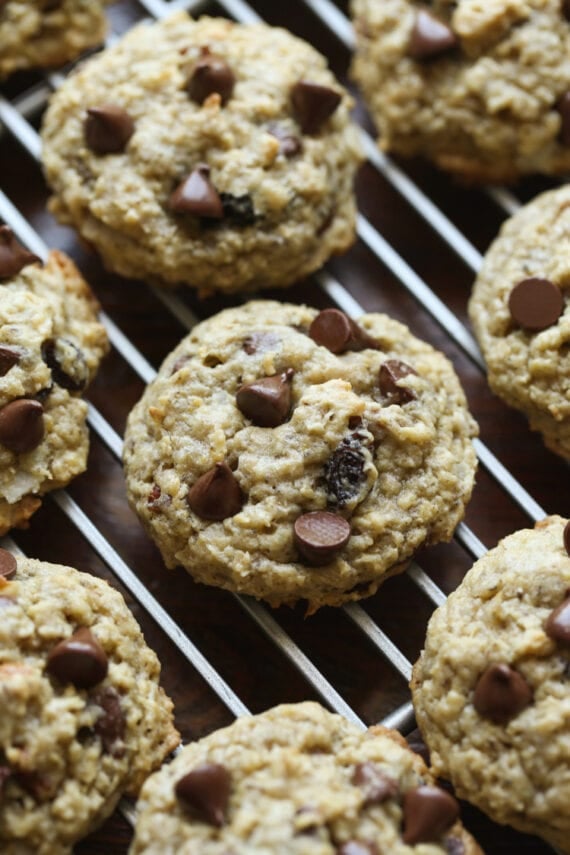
345 470
238 209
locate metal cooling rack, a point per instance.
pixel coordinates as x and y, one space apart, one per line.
290 644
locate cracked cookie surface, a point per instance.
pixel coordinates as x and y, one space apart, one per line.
491 689
212 154
83 717
481 89
369 455
300 781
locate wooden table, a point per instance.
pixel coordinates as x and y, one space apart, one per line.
220 626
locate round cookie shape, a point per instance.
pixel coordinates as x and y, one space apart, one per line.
520 312
51 343
297 780
84 719
333 496
491 689
40 34
206 153
480 89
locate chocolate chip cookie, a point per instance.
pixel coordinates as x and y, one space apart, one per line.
83 717
492 690
291 454
300 781
46 33
481 89
520 310
205 152
51 344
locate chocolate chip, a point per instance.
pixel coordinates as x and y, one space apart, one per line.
563 107
8 358
566 537
260 342
320 536
536 304
454 846
216 494
79 660
557 625
210 74
238 210
266 402
358 847
8 564
344 471
22 425
375 784
108 128
206 789
501 693
67 364
428 812
336 331
429 37
197 195
390 373
13 256
110 726
289 144
313 104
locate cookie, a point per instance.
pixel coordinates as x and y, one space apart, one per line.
83 717
44 33
491 689
297 779
291 454
51 344
521 315
205 152
480 89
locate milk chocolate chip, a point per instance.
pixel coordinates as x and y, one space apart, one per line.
501 693
216 494
336 331
376 785
428 812
22 425
429 37
67 364
197 195
8 358
390 373
313 104
557 625
566 536
8 564
535 303
110 726
79 660
107 128
210 74
320 536
206 789
13 256
267 401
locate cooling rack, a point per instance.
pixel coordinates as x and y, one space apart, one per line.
420 242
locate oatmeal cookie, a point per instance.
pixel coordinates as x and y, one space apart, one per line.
520 310
480 88
83 717
291 454
205 152
51 344
44 33
491 689
298 780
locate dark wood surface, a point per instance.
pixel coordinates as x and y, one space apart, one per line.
214 620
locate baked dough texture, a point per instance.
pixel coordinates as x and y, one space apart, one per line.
518 770
400 473
489 107
529 369
287 195
43 33
67 753
292 790
48 320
